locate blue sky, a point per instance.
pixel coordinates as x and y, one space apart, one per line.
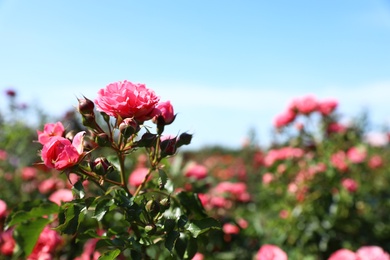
227 66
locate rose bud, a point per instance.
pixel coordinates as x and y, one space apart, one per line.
101 166
168 146
165 203
128 127
150 229
184 139
86 106
165 111
152 207
102 139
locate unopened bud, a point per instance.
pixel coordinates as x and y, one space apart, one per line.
86 106
89 120
150 229
102 139
128 127
168 147
152 207
165 203
184 139
101 166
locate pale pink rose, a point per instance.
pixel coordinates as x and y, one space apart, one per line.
375 162
126 99
350 184
326 107
357 154
29 173
164 109
196 171
271 252
61 195
372 253
7 243
343 254
284 119
49 131
267 178
231 229
138 176
198 256
292 188
3 209
47 242
60 153
376 139
3 155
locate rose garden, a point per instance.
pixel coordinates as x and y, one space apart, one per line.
108 181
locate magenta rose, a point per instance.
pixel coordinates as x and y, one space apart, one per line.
49 131
60 153
125 99
271 252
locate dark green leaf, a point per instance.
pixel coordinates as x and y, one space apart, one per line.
102 207
69 219
78 189
192 248
27 233
201 226
192 204
169 225
110 255
171 239
44 209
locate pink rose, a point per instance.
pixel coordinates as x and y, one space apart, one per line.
343 254
29 173
125 99
339 161
198 256
49 131
271 252
372 253
3 209
196 171
336 128
231 229
7 243
3 155
165 110
349 184
89 252
60 153
375 162
304 105
284 119
357 154
47 242
267 178
138 176
61 195
326 107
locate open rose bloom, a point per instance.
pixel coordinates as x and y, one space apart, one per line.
126 99
60 153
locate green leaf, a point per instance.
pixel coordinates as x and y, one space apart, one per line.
110 255
69 218
171 239
102 207
162 180
27 234
192 204
197 227
26 213
192 248
78 189
169 225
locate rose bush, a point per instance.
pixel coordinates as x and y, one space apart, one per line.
111 188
